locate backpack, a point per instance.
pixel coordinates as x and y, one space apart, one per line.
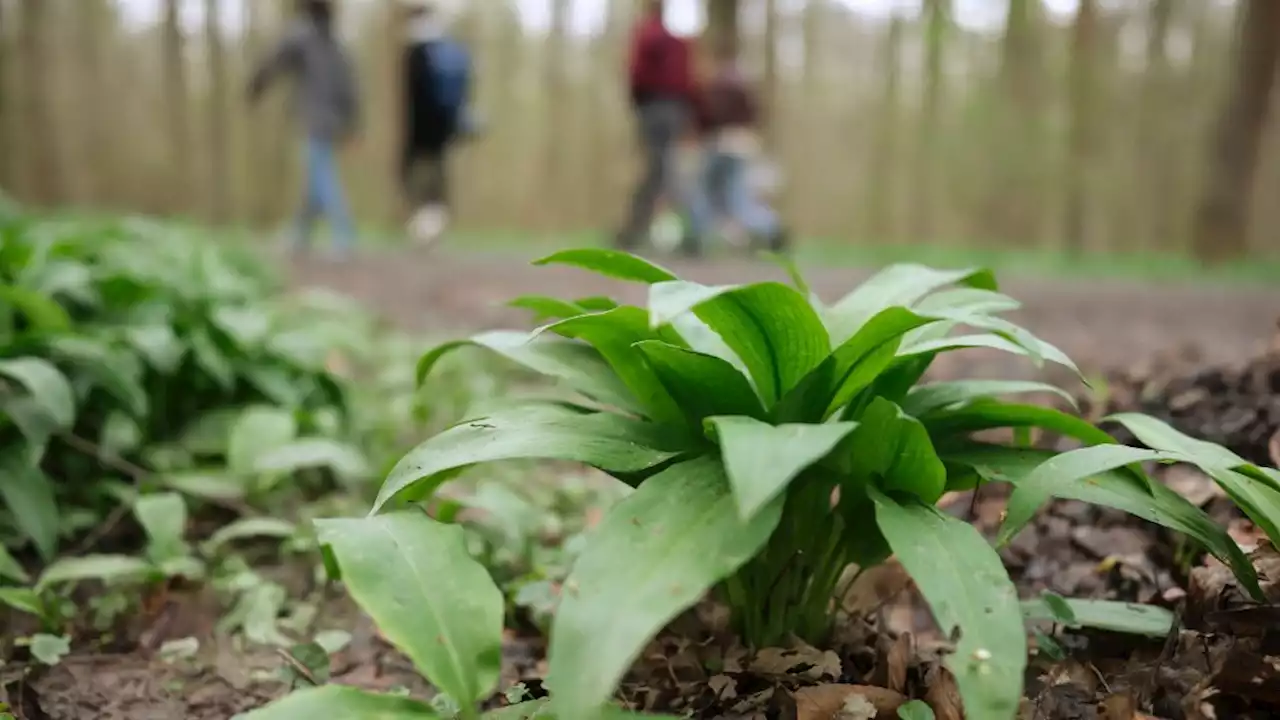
451 75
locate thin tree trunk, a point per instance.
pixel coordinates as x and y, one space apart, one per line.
42 162
219 132
1155 171
176 110
937 22
1222 221
8 147
722 20
1082 136
555 152
1012 207
770 96
881 200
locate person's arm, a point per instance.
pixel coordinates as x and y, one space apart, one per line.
641 50
283 57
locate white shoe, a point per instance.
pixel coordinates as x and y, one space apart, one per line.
428 224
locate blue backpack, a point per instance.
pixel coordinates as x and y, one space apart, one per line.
452 75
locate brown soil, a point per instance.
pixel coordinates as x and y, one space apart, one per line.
1100 324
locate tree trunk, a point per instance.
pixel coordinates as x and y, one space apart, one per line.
1155 177
881 201
556 154
1081 139
1012 207
219 136
770 98
937 22
722 20
42 161
8 147
176 111
1221 229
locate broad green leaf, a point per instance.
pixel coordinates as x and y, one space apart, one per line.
1159 435
971 301
1120 490
772 328
164 518
23 600
602 440
246 327
702 385
654 555
989 414
545 709
1111 615
1065 469
1260 502
915 710
211 359
43 314
158 344
10 569
596 303
761 459
902 285
50 649
543 306
936 396
115 370
578 364
341 701
966 586
613 333
989 341
248 528
851 367
108 568
313 452
610 263
29 496
258 431
416 579
49 388
892 450
206 485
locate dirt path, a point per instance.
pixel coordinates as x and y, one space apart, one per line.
1098 323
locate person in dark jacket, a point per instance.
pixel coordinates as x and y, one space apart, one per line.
435 65
328 106
661 88
727 119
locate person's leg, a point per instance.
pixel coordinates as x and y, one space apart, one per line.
660 125
305 222
330 195
744 206
698 198
431 215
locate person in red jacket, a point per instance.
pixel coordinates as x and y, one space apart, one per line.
661 85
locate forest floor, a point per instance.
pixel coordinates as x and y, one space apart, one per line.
1102 324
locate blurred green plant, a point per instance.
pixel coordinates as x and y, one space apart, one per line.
772 440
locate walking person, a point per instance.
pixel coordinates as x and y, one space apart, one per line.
728 118
328 107
437 77
661 86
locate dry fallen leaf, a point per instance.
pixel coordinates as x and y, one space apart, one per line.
802 661
875 587
847 702
942 694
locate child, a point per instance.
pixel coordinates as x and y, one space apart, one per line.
727 120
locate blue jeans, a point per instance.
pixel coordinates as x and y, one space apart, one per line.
724 177
324 195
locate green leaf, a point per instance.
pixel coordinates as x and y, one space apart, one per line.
248 528
578 364
158 344
341 701
1259 501
654 555
43 314
772 328
892 450
967 300
211 359
854 365
702 385
108 568
207 485
990 341
915 710
613 333
925 398
1067 468
50 649
116 371
605 441
10 569
164 518
760 460
596 303
416 579
28 494
343 459
989 414
1120 490
47 385
23 600
1122 617
258 431
543 306
966 586
610 263
902 285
